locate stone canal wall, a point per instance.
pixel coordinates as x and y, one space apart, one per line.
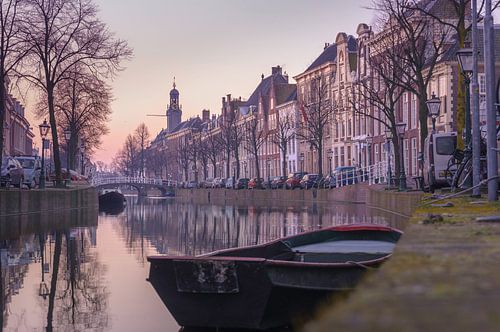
349 194
14 202
403 203
375 196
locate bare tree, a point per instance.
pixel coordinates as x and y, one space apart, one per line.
213 150
317 112
142 136
377 94
458 21
126 161
12 52
423 40
183 156
283 135
255 137
231 138
61 35
82 104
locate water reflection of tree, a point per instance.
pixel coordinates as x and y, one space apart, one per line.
175 228
77 298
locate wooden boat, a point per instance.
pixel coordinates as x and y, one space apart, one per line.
111 199
268 285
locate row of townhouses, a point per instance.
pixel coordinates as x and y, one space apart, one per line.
197 148
17 132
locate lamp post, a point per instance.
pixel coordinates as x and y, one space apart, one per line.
465 59
82 158
302 161
388 140
400 127
268 173
464 56
330 154
67 135
433 106
44 130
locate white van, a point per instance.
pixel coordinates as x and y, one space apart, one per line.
438 150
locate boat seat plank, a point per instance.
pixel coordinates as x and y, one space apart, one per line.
347 246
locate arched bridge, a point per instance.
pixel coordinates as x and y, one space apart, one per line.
142 184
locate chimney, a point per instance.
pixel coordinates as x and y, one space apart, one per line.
228 98
214 117
223 101
285 75
205 115
262 77
276 70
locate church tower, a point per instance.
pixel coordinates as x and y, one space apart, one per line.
174 112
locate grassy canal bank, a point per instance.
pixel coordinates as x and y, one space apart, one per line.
444 276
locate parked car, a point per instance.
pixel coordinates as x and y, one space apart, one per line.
255 183
242 183
12 172
328 182
230 183
293 180
207 183
219 183
345 175
192 184
310 181
278 182
31 167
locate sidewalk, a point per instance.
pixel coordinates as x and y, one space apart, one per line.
444 276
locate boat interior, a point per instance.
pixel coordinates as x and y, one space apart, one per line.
324 247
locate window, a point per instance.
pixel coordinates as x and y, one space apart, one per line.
446 145
482 96
342 159
414 156
414 111
376 153
405 109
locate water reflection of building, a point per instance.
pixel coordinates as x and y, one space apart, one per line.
174 228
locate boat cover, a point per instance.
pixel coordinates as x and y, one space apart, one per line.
348 246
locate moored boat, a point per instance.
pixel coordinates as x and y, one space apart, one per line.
111 199
268 285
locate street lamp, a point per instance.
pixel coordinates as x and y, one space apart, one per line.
245 167
44 130
388 138
302 161
330 153
465 59
433 106
400 127
82 159
67 135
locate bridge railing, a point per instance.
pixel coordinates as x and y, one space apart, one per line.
99 181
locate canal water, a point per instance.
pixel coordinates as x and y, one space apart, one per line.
86 271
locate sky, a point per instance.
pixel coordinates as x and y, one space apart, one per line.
212 48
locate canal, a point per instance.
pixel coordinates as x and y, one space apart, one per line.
86 271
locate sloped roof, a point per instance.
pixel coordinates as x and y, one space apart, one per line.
191 123
264 87
283 92
329 54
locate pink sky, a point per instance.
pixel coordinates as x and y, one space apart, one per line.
212 48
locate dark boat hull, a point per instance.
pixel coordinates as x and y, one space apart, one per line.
111 200
235 289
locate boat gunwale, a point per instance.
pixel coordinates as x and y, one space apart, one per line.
214 255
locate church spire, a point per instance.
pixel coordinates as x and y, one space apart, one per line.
174 83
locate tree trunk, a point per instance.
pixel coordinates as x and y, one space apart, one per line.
3 110
55 140
423 118
284 151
